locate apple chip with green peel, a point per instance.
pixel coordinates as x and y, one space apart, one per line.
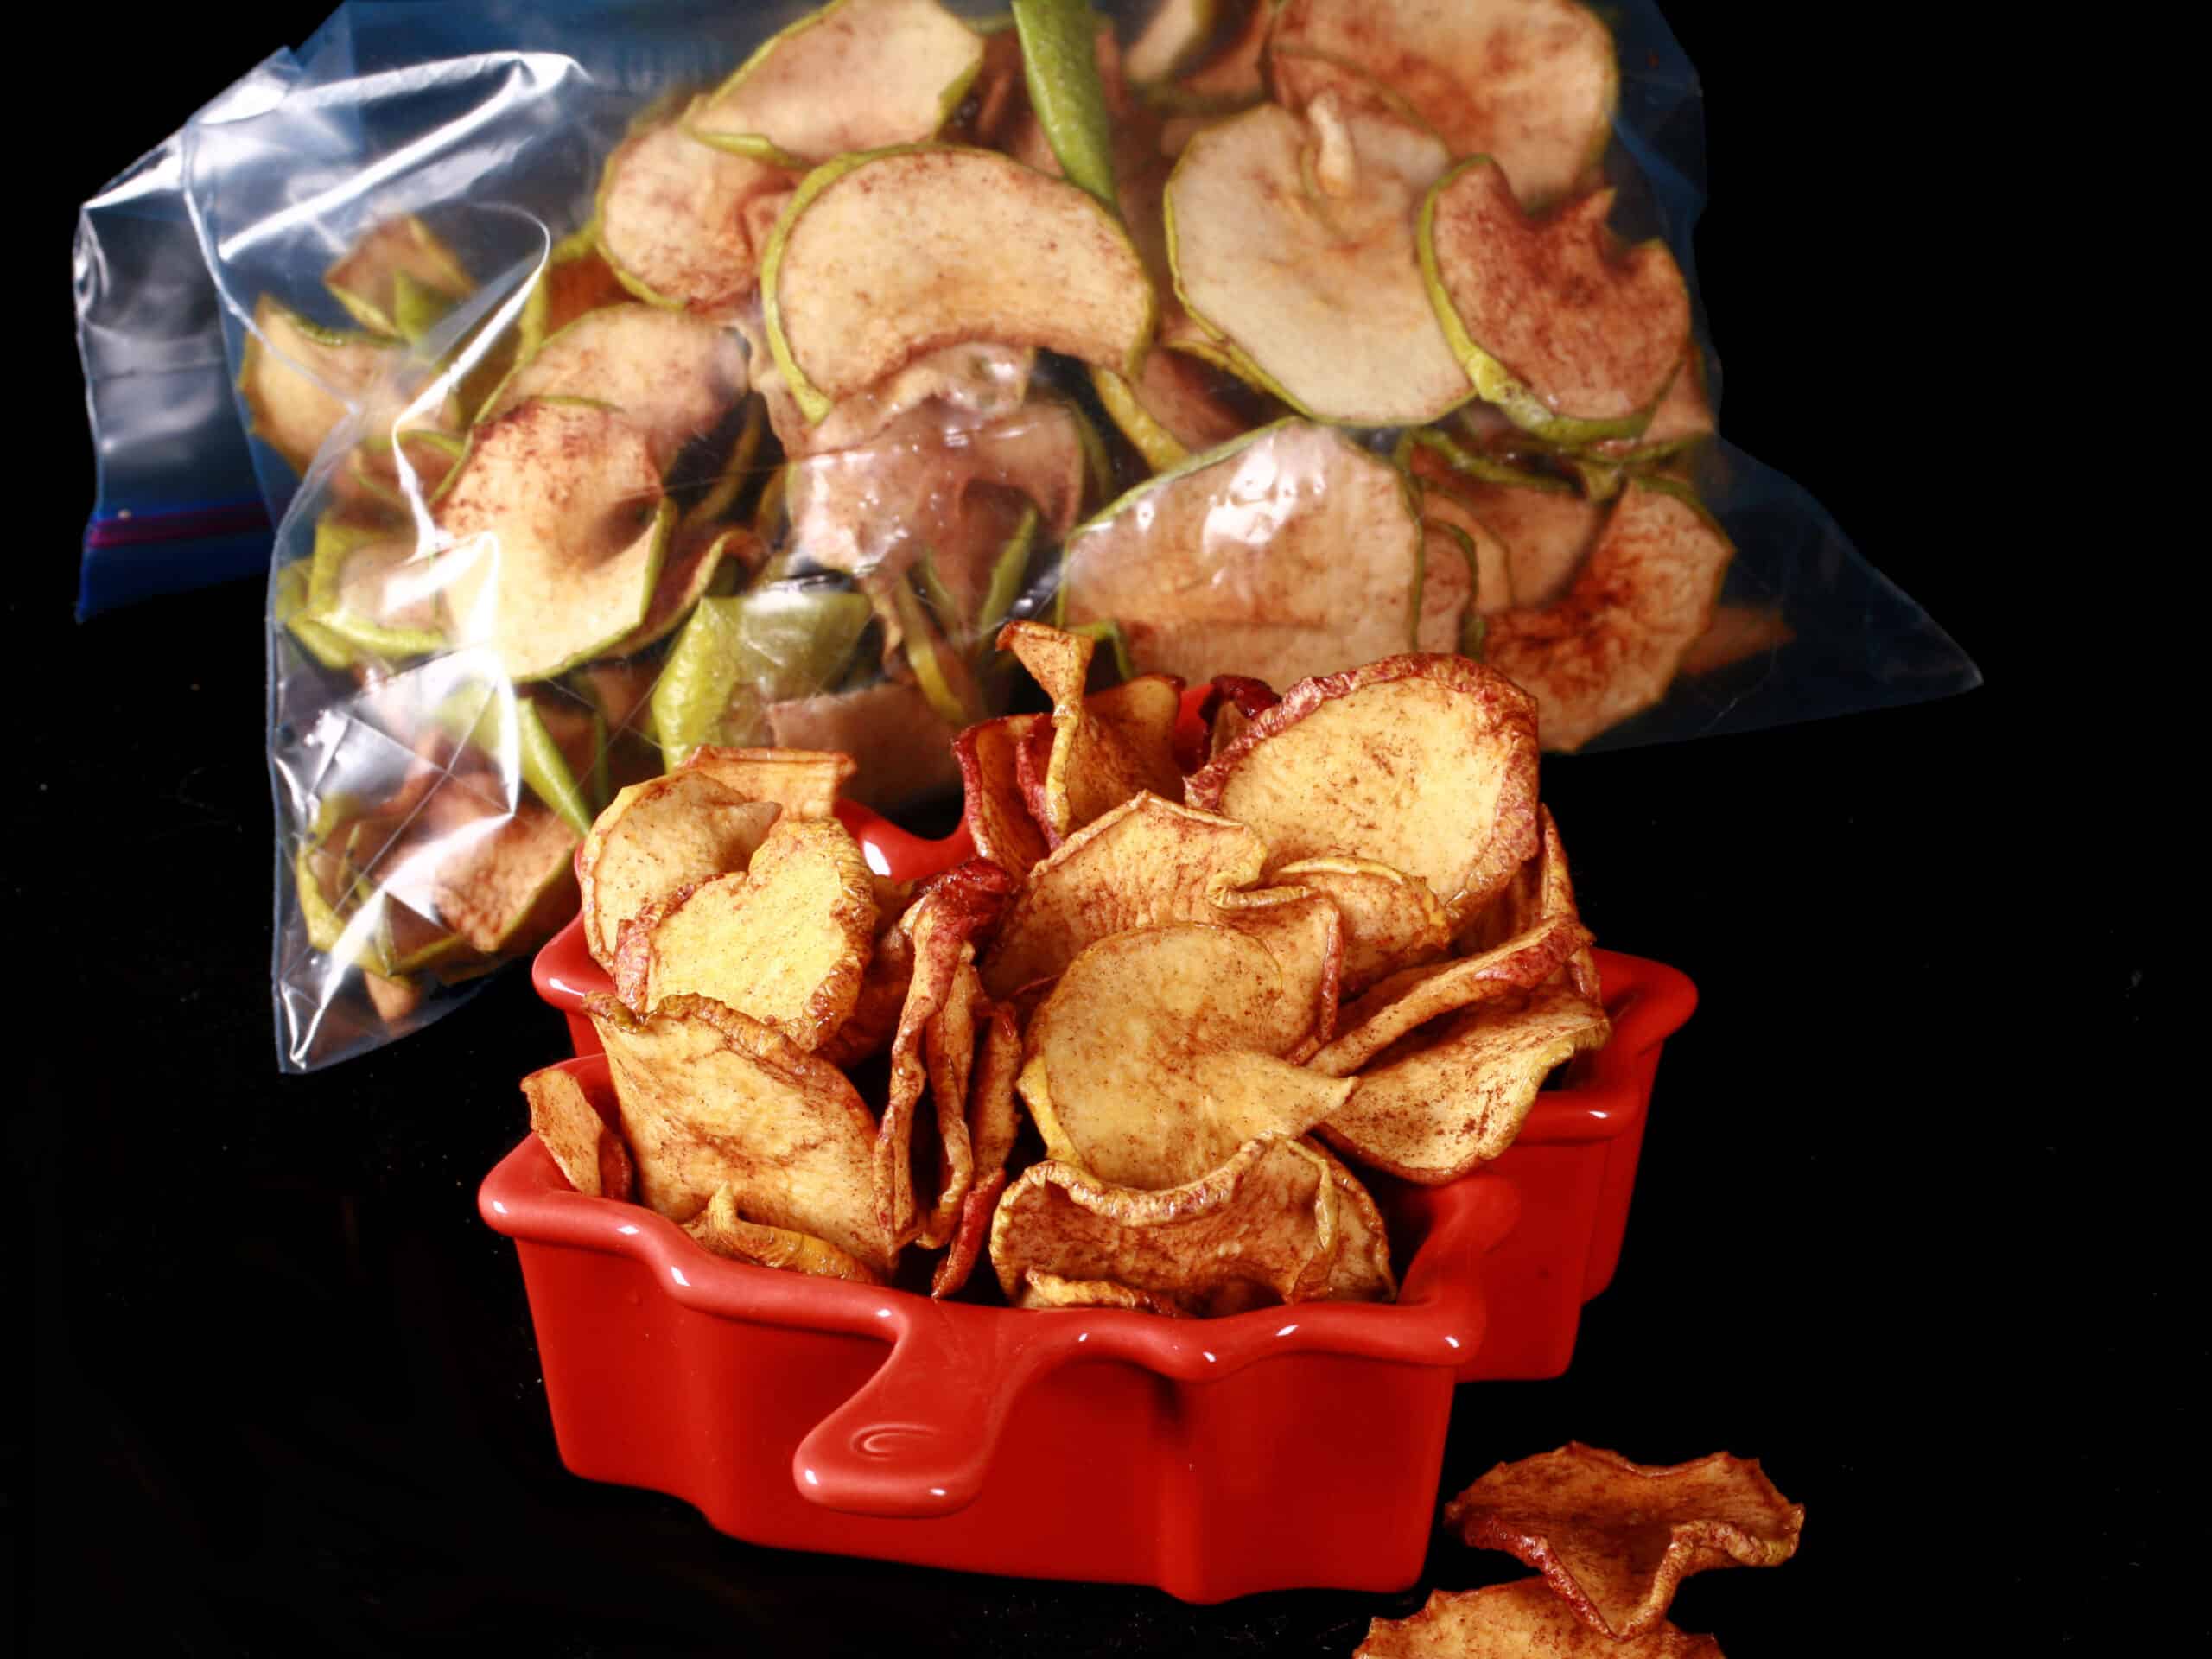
396 276
942 928
1172 409
885 256
720 1230
1228 76
386 474
1413 996
694 563
1610 646
1458 540
739 656
300 380
1163 1049
1391 920
1294 241
1573 336
671 374
589 1154
659 836
1146 862
1427 763
1531 82
972 384
1452 1096
855 76
1173 39
993 807
1261 1227
783 941
554 531
1545 529
501 878
1290 552
900 745
1683 417
680 221
712 1099
1614 1539
380 595
1522 1620
576 279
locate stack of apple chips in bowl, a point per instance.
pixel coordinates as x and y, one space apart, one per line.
1283 337
1346 939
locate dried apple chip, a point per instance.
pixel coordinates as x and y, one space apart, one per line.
1613 1538
659 835
1452 1096
589 1154
1042 1290
1163 1049
804 782
720 1229
1530 82
672 375
886 256
785 941
1146 862
1611 645
941 927
1416 995
1573 336
711 1098
969 1236
867 1030
887 732
679 220
997 817
1292 551
1541 890
1522 1620
1263 1223
1102 749
1392 921
1426 763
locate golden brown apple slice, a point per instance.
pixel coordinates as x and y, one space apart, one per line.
657 836
720 1229
683 224
805 783
1521 1620
710 1098
1425 763
671 373
783 941
589 1154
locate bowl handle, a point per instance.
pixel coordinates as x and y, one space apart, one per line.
917 1440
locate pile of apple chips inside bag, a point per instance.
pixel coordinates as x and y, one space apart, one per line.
1277 338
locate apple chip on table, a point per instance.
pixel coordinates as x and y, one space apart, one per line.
1350 931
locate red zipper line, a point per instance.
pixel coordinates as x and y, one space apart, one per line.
128 530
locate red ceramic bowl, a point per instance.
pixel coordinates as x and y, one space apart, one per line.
1288 1447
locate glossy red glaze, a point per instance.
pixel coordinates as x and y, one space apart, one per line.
1104 1444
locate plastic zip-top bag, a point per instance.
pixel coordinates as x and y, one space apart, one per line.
626 379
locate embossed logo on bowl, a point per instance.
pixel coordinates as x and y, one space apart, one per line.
884 1441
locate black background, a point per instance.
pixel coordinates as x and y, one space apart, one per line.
1892 1233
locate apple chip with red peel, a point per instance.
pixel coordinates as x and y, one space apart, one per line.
1044 1291
1101 750
941 928
1452 1096
1361 1272
1163 1049
720 1229
589 1154
1521 1620
949 1056
710 1098
1426 763
785 940
1416 995
1613 1538
804 782
1146 862
1263 1223
1541 890
1225 711
969 1236
657 836
1611 645
994 1119
998 819
869 1028
1391 920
